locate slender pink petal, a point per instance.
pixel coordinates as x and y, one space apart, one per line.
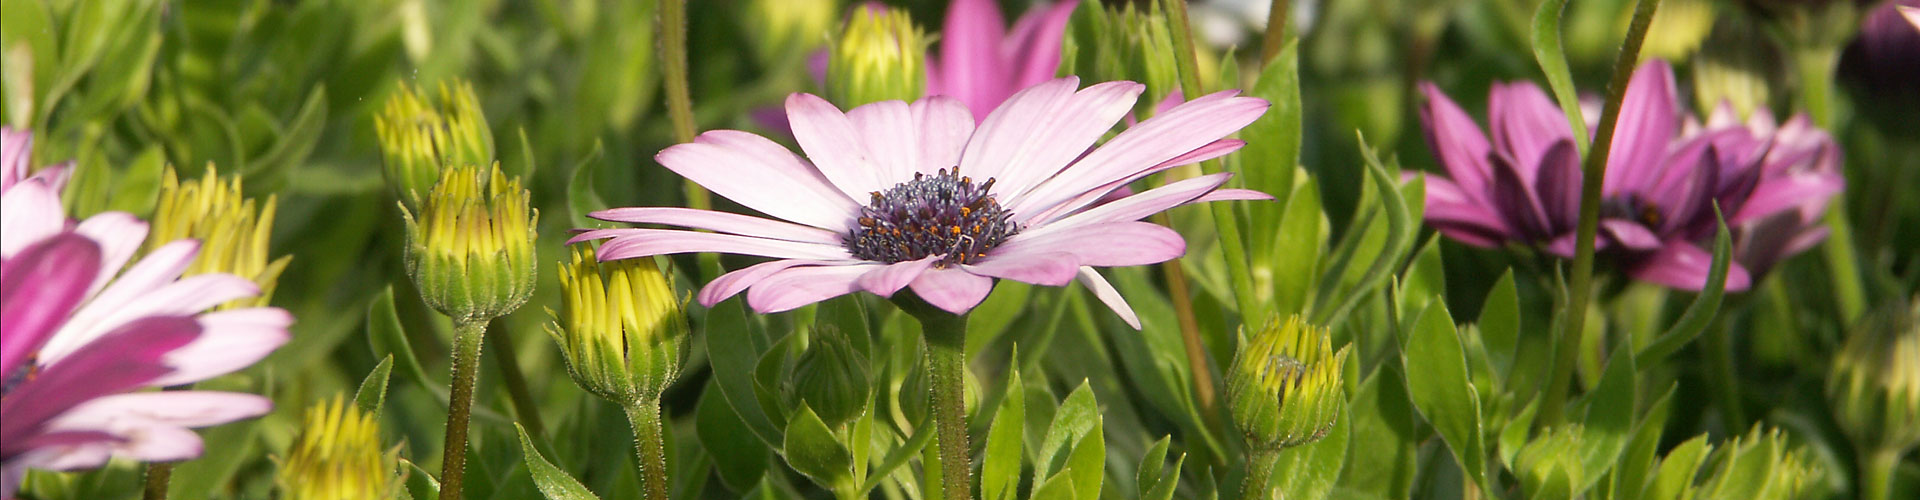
839 149
186 296
29 212
733 282
1106 192
127 358
1683 265
1558 184
39 288
1036 41
171 408
120 234
1649 118
762 175
1138 206
1108 295
725 222
1785 193
1630 234
630 243
1049 269
157 270
970 63
1104 245
944 126
791 288
1514 198
1526 123
1186 128
886 280
1457 142
1025 142
229 340
951 289
1232 195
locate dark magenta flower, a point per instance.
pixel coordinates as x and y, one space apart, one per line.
981 62
1663 180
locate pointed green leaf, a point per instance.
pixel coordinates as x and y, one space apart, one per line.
1547 50
1500 323
1701 312
1000 467
1436 368
812 450
1384 437
581 199
733 350
372 394
554 483
1087 464
1077 415
1059 487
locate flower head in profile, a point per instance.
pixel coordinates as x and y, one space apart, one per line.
81 334
893 195
1661 187
339 456
982 62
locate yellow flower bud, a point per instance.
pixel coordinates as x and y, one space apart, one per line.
1285 386
232 229
880 56
419 138
470 249
620 327
339 456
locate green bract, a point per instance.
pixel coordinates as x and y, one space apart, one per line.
470 247
831 377
879 56
620 327
1285 385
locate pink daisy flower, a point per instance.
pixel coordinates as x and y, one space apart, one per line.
79 335
894 195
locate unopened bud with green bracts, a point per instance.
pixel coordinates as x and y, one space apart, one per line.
338 455
832 377
879 56
1875 385
620 327
233 230
422 135
1285 386
470 247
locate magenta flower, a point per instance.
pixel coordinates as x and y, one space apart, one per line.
894 195
82 335
1523 186
981 63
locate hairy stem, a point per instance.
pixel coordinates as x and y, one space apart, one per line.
467 339
1186 60
673 70
159 475
1567 347
649 447
947 361
1259 482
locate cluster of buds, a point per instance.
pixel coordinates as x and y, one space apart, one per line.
879 56
1285 387
620 327
1126 43
420 137
470 247
339 456
233 230
832 378
1875 384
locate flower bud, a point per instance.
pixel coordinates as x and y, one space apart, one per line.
338 456
1285 386
232 229
1126 43
785 29
419 138
1677 29
1875 386
880 56
831 377
470 249
620 328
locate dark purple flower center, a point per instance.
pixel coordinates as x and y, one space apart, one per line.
1632 207
942 214
28 368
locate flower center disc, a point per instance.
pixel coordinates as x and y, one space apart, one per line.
941 214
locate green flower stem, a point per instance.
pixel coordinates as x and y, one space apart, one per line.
673 69
1259 482
1815 65
523 405
946 335
1187 61
1567 346
159 475
1876 473
649 447
1726 386
467 339
1276 35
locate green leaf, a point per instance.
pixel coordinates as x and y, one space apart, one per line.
1678 468
1399 234
1500 323
740 458
1087 464
1608 421
1637 461
1547 50
1059 487
1425 279
1436 368
1077 415
137 189
994 315
27 36
734 351
1295 255
1384 435
1000 466
298 141
1268 162
1155 480
1705 305
387 339
372 394
811 449
1310 470
554 483
581 199
922 434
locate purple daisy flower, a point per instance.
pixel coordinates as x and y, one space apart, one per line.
894 195
81 335
1661 185
981 63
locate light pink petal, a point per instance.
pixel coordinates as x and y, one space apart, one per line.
725 222
1786 193
1649 118
185 297
1049 269
191 409
890 278
38 290
630 243
229 341
29 212
1684 266
762 175
1911 13
125 359
1105 245
1023 145
970 63
795 287
1109 296
120 235
733 282
839 148
1630 234
1232 195
1138 206
1106 193
951 289
944 126
1180 131
1035 42
1461 218
16 150
157 270
1457 142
